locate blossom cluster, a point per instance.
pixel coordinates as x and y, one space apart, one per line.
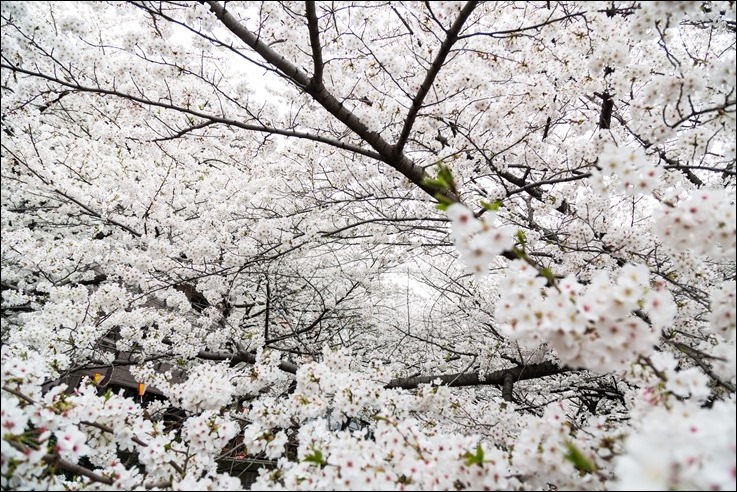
208 387
325 388
145 167
595 326
705 223
402 455
95 425
723 315
545 449
628 170
478 240
660 453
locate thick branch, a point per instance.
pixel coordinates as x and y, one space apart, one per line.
246 357
56 461
605 117
496 378
314 43
508 387
450 39
287 68
321 95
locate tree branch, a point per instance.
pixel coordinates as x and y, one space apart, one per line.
508 387
56 461
246 357
321 95
384 220
214 119
661 153
512 32
306 329
314 43
450 39
496 378
287 68
56 190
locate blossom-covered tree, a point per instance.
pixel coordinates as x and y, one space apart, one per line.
418 245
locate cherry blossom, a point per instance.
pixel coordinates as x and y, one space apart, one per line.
396 246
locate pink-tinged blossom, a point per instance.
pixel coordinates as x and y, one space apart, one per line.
659 305
704 223
631 168
594 326
71 444
208 431
661 455
13 419
479 241
723 315
462 220
168 210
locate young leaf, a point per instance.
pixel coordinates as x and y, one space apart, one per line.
475 458
577 458
491 207
316 457
548 274
446 177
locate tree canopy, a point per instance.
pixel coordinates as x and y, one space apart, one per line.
369 245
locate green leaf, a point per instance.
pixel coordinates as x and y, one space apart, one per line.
442 206
492 207
548 274
580 462
443 181
521 237
446 177
316 457
442 199
475 459
433 183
